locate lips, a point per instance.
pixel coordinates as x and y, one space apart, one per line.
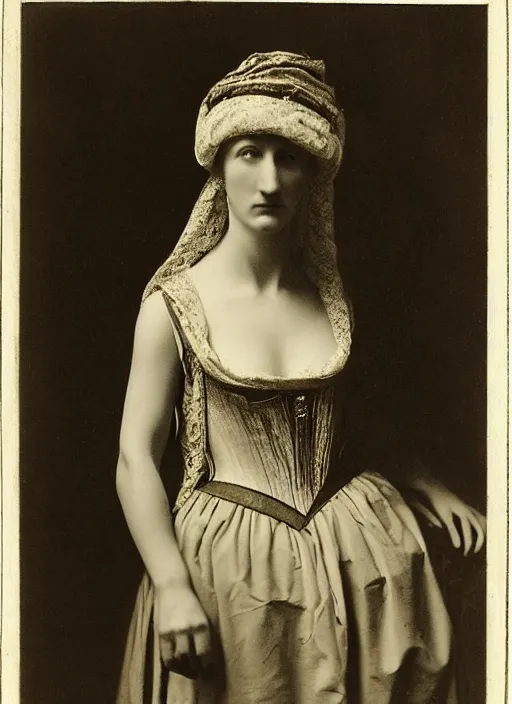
268 206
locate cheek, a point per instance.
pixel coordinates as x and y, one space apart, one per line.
296 185
237 184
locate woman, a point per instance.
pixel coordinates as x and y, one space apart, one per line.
289 575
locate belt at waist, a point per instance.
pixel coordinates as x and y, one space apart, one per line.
263 503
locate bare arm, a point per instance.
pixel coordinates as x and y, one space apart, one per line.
150 399
153 385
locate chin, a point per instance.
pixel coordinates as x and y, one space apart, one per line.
270 225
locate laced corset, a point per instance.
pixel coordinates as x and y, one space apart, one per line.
277 437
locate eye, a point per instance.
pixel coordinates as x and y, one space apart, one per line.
290 157
248 153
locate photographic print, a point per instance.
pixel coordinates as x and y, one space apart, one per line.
261 403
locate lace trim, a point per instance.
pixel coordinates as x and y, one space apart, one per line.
192 430
188 307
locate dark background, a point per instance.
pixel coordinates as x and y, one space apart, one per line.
110 95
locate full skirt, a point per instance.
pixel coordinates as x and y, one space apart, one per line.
346 610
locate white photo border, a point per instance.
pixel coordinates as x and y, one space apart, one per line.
499 617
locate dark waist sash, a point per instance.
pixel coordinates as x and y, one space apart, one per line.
268 505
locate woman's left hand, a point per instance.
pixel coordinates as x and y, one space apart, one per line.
443 508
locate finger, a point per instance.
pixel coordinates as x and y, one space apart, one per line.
203 648
452 531
202 641
175 650
418 506
482 520
477 513
193 657
167 647
480 533
466 534
182 647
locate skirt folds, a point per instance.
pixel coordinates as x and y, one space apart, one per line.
346 610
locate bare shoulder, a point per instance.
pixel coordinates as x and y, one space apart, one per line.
154 304
154 329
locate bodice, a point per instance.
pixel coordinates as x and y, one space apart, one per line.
280 437
280 443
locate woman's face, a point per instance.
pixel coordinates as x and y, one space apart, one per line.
265 178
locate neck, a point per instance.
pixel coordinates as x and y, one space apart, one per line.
258 260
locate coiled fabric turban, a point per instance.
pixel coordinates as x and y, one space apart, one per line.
279 93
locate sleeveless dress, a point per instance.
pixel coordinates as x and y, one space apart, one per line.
314 575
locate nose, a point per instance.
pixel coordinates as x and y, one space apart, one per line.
268 181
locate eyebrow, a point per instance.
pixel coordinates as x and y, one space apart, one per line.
286 146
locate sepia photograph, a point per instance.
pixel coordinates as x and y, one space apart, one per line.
253 353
